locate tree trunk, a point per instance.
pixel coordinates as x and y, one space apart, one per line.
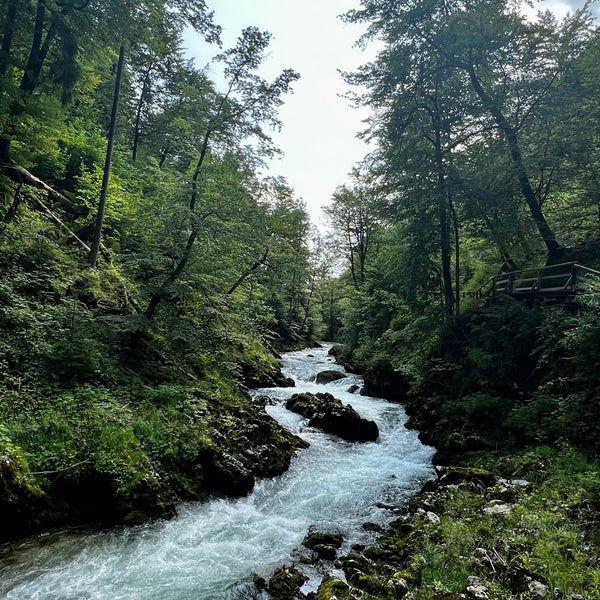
259 263
138 114
11 213
37 55
22 176
442 199
554 249
7 36
203 151
38 51
109 149
172 278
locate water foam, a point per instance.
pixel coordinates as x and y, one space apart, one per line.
211 549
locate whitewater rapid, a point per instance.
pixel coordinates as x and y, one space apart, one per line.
212 550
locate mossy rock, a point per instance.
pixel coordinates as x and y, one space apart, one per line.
457 475
378 554
372 527
373 585
285 583
325 552
264 375
331 588
322 538
383 381
148 498
260 444
326 412
225 474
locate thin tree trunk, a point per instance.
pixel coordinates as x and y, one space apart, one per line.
198 169
138 114
109 149
555 250
37 54
162 292
259 263
7 36
441 191
39 50
456 230
163 156
11 213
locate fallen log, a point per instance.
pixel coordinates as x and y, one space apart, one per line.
22 176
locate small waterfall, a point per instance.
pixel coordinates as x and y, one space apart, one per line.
211 550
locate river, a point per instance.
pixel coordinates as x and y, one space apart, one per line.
212 550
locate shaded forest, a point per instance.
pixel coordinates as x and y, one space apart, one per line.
150 272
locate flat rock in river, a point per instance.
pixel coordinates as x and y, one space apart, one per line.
329 414
328 376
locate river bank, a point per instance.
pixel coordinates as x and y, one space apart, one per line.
212 548
127 455
473 534
488 525
493 524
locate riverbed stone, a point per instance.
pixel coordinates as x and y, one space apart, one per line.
457 475
497 508
331 588
285 583
225 474
328 538
325 377
264 376
325 552
326 412
476 589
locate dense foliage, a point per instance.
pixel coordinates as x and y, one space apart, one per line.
121 384
485 134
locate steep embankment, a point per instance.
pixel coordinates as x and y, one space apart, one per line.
107 418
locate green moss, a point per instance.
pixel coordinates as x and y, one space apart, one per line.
547 535
285 583
331 588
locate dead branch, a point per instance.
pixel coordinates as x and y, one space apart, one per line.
21 175
52 216
69 468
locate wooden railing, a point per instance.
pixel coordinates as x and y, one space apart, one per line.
554 281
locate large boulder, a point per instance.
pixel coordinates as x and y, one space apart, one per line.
257 375
329 414
325 377
257 446
383 381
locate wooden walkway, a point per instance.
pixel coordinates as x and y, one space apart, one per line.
562 281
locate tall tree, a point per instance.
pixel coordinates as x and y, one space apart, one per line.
509 64
353 216
248 104
49 53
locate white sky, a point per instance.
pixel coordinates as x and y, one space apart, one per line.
318 137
